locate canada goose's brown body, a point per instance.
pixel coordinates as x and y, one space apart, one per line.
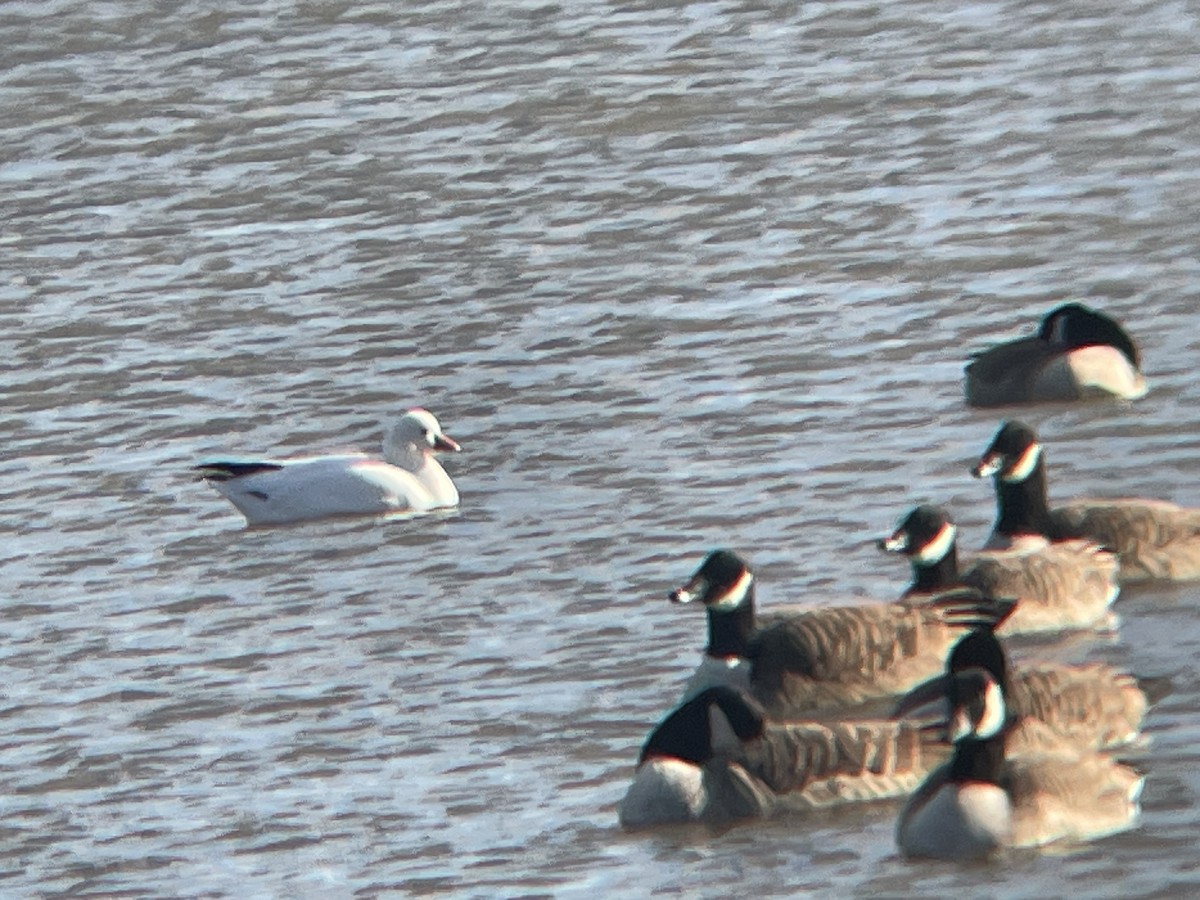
717 758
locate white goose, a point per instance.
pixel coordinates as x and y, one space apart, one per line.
295 489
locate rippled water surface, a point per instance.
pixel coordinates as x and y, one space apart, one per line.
675 275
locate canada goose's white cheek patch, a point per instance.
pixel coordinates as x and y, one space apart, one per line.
736 595
938 547
1024 466
994 712
897 543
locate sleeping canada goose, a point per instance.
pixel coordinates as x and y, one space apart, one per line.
295 489
826 658
1092 705
983 800
1152 539
716 758
1077 353
1066 585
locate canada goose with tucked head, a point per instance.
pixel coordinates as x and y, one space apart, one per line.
297 489
984 801
716 758
1067 585
1152 539
1093 706
826 658
1077 354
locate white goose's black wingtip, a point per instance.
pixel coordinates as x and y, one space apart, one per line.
228 470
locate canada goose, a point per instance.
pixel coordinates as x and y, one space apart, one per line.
1152 539
1067 585
1077 353
826 658
279 491
1092 705
716 758
983 801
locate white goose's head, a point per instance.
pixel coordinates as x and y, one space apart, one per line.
418 432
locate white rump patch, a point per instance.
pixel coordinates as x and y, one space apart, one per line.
1025 465
938 547
1105 370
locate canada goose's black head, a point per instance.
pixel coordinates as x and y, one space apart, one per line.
722 582
980 649
977 708
712 723
1013 455
926 535
1074 325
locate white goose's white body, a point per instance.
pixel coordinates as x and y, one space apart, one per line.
296 489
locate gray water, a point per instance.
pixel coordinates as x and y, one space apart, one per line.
676 276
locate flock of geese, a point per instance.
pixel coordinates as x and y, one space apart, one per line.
989 754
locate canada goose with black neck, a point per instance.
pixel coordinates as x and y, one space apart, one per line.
1060 586
717 758
1153 539
984 801
822 658
1091 706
